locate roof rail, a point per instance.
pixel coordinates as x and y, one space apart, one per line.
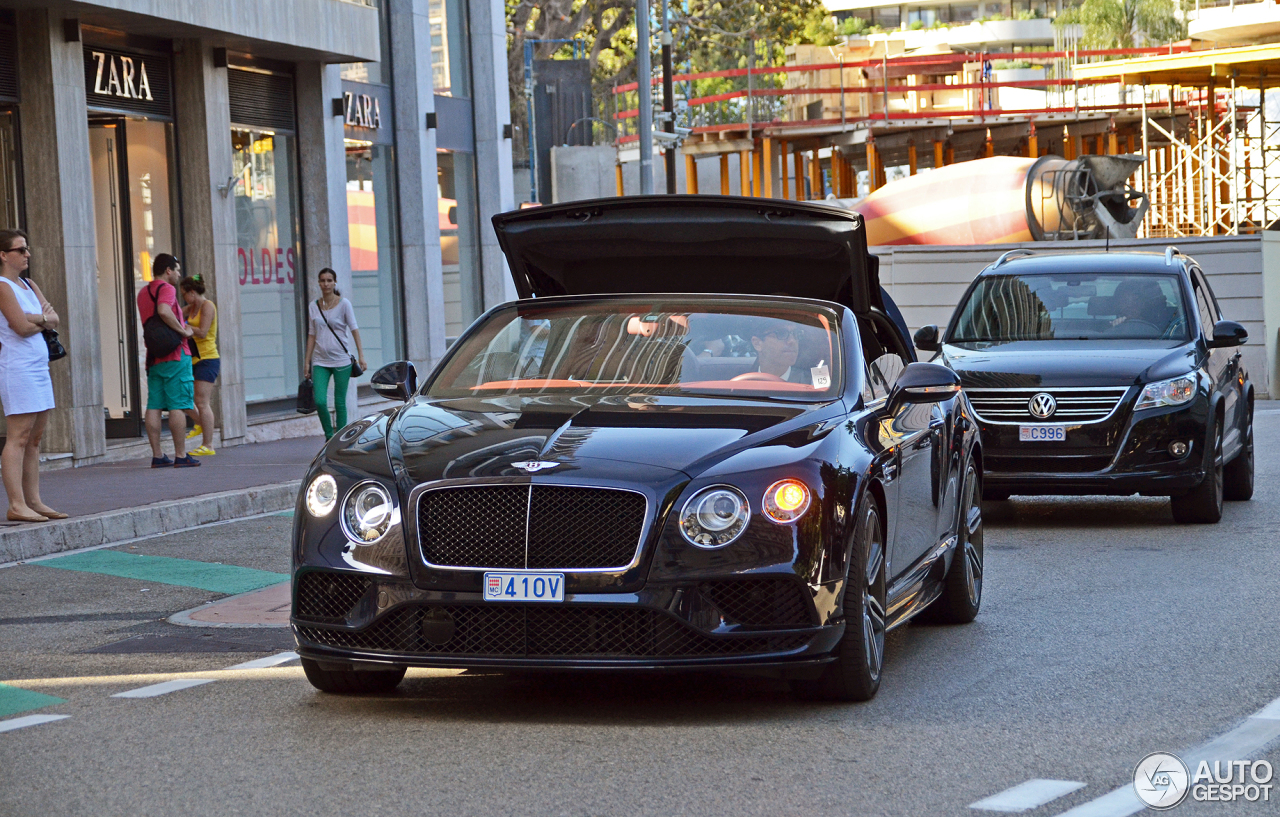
1005 256
1169 253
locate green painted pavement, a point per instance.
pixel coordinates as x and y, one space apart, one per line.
14 700
215 578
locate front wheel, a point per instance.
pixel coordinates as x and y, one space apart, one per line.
962 587
1203 503
351 681
1237 476
855 673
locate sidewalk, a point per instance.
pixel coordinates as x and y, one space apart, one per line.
116 501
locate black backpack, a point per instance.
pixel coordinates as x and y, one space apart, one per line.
160 339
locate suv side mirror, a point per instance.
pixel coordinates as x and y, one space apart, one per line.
926 338
395 381
1228 333
923 383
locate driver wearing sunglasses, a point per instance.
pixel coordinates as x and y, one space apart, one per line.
777 345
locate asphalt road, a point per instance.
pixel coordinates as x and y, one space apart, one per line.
1107 633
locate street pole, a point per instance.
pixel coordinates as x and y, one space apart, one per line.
646 97
668 100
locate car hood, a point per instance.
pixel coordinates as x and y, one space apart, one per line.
690 244
624 438
1031 364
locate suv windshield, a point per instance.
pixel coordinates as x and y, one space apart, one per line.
650 346
1072 306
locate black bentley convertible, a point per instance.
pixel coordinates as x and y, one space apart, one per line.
699 440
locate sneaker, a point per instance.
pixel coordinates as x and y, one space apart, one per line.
161 462
203 451
186 462
195 431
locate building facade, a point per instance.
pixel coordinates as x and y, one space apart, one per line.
259 141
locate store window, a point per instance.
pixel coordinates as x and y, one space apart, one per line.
269 261
459 239
375 261
10 218
450 54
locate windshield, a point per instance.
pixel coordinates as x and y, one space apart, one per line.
647 346
1072 306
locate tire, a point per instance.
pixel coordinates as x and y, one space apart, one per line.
351 681
1203 504
854 675
994 495
962 586
1237 476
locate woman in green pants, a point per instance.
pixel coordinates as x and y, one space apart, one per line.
331 333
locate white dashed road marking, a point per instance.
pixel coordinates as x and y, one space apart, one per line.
1241 743
269 661
1026 796
163 688
29 720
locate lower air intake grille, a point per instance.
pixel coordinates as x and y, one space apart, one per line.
328 597
551 527
761 602
536 632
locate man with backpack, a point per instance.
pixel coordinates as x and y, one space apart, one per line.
170 384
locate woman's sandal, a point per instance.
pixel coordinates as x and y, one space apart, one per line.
14 517
51 513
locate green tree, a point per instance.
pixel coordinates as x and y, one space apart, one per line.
1125 23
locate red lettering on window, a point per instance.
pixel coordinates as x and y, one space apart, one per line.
244 266
288 257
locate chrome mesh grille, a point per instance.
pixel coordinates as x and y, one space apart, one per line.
530 526
542 632
1073 405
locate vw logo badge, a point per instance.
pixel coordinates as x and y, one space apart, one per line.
1042 406
534 465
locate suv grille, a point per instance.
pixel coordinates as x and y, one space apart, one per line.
530 526
329 597
536 632
760 602
1073 405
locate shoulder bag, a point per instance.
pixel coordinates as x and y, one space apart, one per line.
356 371
56 350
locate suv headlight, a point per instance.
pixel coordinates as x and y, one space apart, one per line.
1173 392
367 513
714 517
322 495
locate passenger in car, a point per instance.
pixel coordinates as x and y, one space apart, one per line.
1140 309
777 345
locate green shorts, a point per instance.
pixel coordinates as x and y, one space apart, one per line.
171 386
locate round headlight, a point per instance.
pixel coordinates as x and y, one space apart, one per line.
322 495
786 500
366 515
714 517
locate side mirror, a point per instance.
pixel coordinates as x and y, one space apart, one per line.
923 383
1228 333
926 338
395 381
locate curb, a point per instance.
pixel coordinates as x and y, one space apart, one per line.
111 527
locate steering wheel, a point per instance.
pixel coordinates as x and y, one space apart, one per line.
771 378
1135 326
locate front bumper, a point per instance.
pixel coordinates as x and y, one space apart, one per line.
1127 455
661 627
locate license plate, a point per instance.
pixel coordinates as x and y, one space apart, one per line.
523 586
1039 434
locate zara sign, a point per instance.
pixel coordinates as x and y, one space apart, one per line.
123 80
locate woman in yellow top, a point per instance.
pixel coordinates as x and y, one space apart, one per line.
202 317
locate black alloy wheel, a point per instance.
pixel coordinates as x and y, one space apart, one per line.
962 587
1203 503
352 681
855 673
1237 476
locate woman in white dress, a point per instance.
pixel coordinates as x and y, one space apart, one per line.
26 392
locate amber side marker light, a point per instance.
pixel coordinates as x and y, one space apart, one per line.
786 500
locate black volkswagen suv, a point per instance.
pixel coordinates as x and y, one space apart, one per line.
1104 373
